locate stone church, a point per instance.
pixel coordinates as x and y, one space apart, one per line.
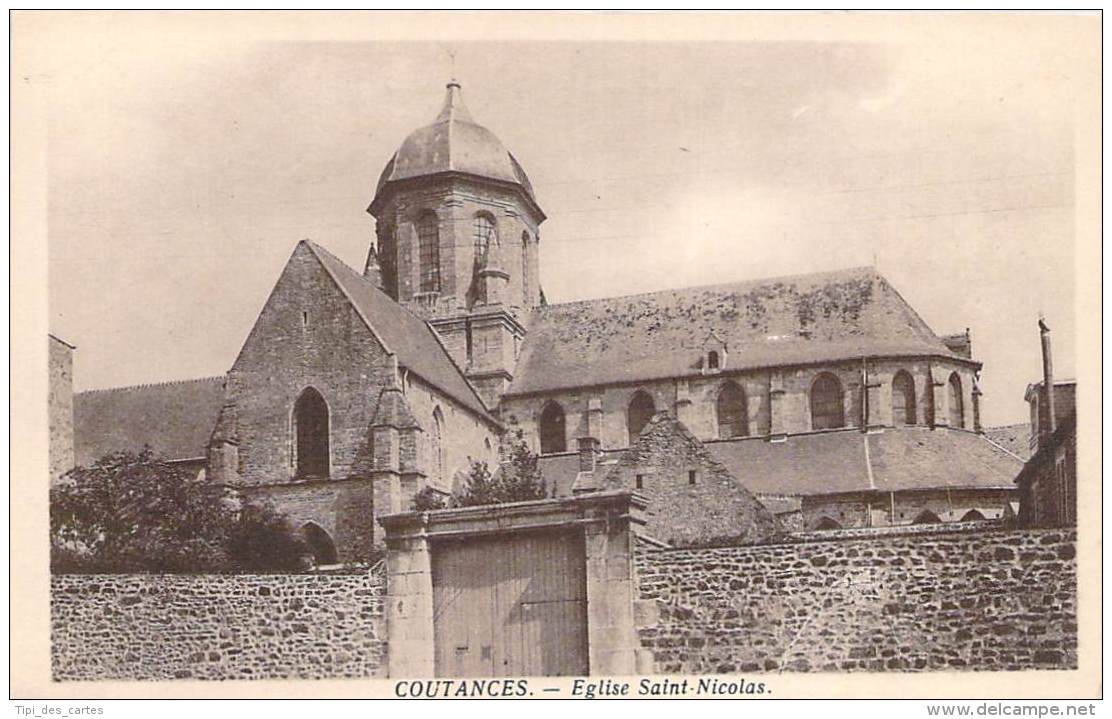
824 396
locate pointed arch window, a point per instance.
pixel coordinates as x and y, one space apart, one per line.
926 517
437 438
553 429
428 251
903 399
957 408
310 415
484 234
827 406
641 410
733 415
972 515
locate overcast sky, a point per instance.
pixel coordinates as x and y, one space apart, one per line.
182 174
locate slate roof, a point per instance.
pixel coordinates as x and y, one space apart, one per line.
1016 438
405 334
804 319
900 459
174 418
454 142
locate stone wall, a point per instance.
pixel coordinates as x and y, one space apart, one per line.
217 627
1003 600
307 335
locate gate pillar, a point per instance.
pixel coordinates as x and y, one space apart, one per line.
409 610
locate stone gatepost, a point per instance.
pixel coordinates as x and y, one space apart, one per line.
409 611
608 520
611 591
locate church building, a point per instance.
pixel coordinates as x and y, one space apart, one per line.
824 396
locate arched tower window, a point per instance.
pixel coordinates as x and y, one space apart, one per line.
553 429
437 438
827 407
484 235
310 416
712 360
733 415
428 251
320 544
957 409
903 399
641 410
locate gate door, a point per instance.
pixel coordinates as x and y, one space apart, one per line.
510 605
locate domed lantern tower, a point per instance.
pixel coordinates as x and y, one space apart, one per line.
457 236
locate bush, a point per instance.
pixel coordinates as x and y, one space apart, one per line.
133 513
428 499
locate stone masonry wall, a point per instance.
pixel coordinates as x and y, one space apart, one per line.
307 335
217 626
1003 600
700 415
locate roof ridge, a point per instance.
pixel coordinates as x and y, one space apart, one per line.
1002 448
149 385
368 283
863 269
316 248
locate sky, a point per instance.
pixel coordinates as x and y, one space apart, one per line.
182 173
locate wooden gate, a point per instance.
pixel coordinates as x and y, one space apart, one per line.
510 605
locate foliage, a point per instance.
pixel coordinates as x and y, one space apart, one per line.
133 513
516 480
520 479
428 499
261 539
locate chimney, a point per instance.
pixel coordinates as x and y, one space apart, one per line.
1047 425
588 453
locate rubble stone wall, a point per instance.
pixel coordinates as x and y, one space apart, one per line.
305 626
1002 600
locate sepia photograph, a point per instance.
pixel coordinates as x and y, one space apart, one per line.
557 355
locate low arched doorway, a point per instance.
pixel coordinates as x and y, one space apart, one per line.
320 544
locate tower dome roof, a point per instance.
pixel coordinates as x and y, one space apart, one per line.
454 142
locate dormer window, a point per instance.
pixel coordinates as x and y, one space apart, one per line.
714 354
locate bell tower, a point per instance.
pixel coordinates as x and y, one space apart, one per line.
457 242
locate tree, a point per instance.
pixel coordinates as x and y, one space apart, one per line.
481 488
517 480
520 478
134 513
